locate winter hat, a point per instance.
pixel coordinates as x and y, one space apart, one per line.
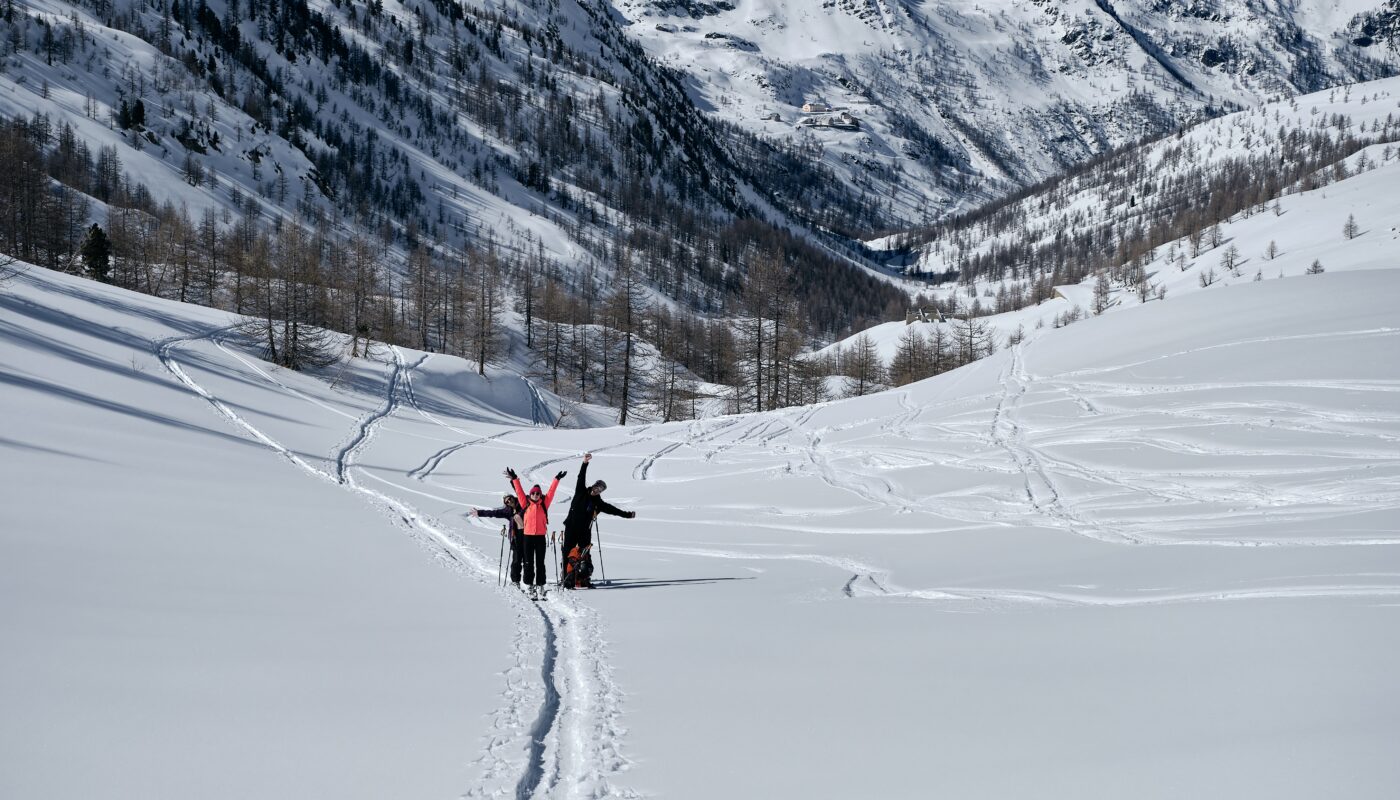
536 488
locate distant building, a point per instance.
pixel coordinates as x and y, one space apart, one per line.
815 107
841 119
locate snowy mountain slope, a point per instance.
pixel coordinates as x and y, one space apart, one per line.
440 142
405 109
187 118
1131 191
1144 218
184 614
1149 554
1306 227
521 123
959 101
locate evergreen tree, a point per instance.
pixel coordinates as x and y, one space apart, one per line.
96 251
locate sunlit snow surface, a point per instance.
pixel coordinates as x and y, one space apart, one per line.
1148 555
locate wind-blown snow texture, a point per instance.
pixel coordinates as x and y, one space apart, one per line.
1150 555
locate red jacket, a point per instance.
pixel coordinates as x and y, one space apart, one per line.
536 514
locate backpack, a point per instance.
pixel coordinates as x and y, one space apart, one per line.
578 568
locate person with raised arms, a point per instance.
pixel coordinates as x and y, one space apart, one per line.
534 510
587 504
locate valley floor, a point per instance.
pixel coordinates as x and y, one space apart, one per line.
1151 555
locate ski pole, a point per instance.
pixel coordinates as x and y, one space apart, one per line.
598 534
500 563
554 556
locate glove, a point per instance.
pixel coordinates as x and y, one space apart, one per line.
510 473
561 475
631 515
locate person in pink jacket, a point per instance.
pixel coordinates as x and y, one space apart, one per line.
535 511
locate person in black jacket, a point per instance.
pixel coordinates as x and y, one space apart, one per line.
586 505
509 511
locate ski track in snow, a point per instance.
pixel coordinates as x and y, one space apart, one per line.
573 743
1016 597
1041 475
424 470
269 377
570 743
549 713
1045 498
346 456
539 412
165 352
1041 491
697 436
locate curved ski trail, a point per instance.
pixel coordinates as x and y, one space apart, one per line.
572 745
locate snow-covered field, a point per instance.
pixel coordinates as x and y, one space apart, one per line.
1153 554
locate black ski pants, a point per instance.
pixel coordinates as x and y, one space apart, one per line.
581 535
533 549
517 557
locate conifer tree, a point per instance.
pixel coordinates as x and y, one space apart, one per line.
96 251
